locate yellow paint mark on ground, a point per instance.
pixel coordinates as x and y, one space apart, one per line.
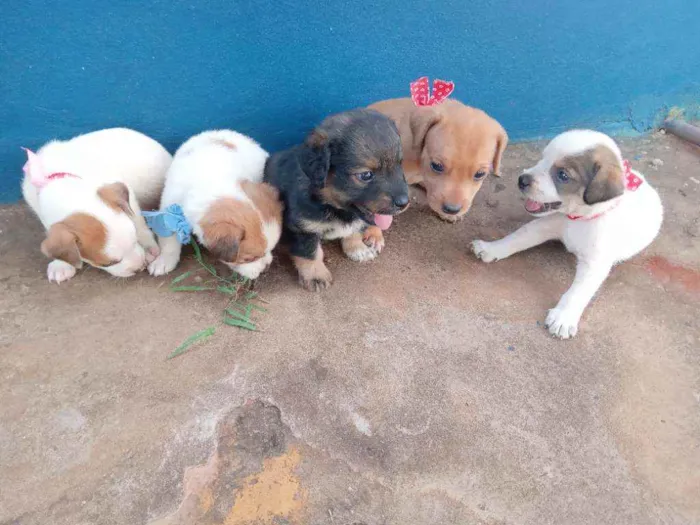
275 492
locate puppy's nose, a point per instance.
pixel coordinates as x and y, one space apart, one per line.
451 209
524 181
401 201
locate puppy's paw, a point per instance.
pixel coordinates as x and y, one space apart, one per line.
59 271
486 251
374 238
562 323
162 264
316 278
152 253
358 250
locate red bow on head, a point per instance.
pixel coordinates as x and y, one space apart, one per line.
420 91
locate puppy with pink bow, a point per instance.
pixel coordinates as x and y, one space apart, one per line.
88 193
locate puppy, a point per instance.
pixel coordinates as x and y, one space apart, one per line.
449 149
216 178
591 200
88 193
344 182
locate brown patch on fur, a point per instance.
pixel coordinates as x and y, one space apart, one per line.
77 235
596 173
332 195
116 196
464 139
266 199
313 274
233 231
225 143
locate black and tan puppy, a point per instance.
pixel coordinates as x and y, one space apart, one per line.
344 182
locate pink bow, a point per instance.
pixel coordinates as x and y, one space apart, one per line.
420 91
34 169
632 182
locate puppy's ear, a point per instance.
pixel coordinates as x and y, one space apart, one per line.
421 121
223 239
62 243
606 182
316 158
501 143
116 196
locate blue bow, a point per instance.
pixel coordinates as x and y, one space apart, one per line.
169 221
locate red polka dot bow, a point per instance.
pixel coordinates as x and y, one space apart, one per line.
632 182
420 91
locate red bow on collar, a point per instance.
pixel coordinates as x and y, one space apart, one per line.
632 182
420 91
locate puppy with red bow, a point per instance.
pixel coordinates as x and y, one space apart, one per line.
88 193
590 199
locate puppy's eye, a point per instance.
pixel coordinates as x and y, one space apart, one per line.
365 176
437 167
480 174
562 176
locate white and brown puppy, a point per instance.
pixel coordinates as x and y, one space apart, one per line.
88 193
590 199
216 178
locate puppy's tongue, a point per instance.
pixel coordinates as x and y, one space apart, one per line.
532 206
383 221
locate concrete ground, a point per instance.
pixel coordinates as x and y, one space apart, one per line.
420 389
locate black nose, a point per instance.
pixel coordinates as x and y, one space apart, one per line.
524 181
401 201
451 209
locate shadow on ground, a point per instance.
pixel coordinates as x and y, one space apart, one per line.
420 389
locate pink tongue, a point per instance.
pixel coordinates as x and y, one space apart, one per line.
532 206
383 221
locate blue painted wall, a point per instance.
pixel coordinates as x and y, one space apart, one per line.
273 68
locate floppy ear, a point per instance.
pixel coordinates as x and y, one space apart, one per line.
421 121
316 158
62 243
116 196
501 144
607 182
223 239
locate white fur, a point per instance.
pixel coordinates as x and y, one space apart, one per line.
203 171
100 158
627 225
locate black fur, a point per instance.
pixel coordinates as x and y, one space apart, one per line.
318 180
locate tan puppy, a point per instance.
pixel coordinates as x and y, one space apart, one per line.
448 149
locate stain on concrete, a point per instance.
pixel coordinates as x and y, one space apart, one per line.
224 491
666 272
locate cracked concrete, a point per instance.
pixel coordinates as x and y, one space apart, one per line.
421 388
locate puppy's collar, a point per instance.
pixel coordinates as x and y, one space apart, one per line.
37 176
632 182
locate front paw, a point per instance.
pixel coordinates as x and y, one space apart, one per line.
152 253
318 282
162 265
315 277
374 238
486 251
59 271
562 323
360 250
